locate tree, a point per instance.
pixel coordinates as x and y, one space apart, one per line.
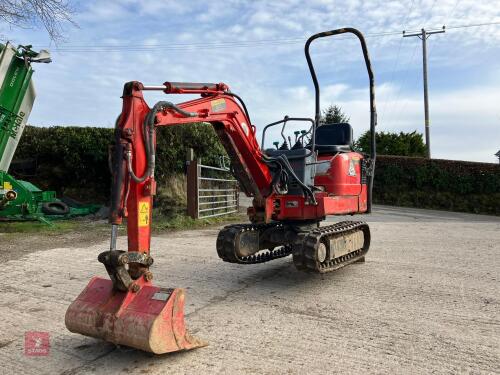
402 144
51 14
333 115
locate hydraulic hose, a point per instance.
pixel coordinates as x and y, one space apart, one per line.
285 167
242 104
148 132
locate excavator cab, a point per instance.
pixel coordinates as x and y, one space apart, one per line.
308 156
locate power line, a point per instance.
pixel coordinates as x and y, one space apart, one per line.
409 64
448 16
463 26
224 44
403 84
219 44
473 25
401 110
396 62
445 21
451 12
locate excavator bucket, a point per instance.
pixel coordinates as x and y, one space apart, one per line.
150 319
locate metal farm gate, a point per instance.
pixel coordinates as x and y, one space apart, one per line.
211 191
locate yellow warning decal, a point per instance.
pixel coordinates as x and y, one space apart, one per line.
143 214
218 105
7 185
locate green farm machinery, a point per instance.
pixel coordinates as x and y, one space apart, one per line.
21 200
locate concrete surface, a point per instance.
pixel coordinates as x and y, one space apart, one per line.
426 301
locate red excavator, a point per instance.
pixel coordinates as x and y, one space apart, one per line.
294 187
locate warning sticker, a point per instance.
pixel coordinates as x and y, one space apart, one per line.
143 214
352 170
218 105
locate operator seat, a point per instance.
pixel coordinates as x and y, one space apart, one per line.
333 138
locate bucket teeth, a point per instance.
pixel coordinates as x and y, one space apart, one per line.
151 319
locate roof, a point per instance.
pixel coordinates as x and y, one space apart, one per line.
498 153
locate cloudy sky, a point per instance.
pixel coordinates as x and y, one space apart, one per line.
256 47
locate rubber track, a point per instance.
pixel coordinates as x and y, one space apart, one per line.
304 254
226 245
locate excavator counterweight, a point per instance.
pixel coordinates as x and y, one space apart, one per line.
294 187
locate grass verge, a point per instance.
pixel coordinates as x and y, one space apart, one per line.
38 227
180 221
161 222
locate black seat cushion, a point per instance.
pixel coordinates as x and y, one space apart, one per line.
331 138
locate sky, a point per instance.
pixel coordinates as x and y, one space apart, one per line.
256 47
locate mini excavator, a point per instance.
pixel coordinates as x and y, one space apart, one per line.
294 187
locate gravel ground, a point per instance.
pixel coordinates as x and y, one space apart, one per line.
426 300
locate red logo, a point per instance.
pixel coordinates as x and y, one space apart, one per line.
36 343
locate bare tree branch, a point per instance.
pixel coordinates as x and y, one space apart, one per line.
51 14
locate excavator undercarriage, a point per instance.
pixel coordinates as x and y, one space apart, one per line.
321 249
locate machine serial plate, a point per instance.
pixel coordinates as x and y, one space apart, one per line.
161 296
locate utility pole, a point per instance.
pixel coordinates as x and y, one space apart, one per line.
423 35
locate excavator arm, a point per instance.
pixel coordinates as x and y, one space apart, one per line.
135 138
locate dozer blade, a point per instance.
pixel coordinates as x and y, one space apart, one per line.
151 319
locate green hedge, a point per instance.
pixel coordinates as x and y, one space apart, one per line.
439 184
73 161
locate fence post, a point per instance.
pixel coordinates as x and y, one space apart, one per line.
192 186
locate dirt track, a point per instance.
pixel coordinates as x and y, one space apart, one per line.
426 300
